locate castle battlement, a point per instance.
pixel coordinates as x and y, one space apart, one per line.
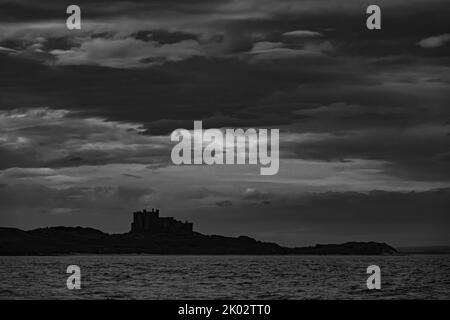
151 222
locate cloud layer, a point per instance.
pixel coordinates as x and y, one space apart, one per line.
85 115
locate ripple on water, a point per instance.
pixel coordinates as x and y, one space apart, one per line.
225 277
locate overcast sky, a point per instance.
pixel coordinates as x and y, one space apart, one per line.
364 118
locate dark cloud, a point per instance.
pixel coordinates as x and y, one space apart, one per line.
137 70
337 217
254 194
164 36
30 205
51 138
225 203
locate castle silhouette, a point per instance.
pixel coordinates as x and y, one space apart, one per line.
153 234
151 222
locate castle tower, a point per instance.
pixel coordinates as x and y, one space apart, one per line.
151 222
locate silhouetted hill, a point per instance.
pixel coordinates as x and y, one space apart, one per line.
359 248
68 240
425 250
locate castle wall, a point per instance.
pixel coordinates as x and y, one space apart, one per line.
144 221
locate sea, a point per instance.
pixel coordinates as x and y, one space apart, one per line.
225 277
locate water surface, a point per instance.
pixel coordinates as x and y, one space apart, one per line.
225 277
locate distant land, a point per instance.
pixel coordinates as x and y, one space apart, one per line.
152 234
425 250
